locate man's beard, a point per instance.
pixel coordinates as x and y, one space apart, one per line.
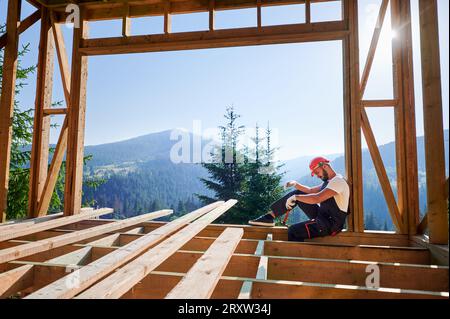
325 176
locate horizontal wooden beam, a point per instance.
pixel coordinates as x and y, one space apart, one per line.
157 284
379 103
55 111
98 10
321 31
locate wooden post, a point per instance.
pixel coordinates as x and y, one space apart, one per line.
405 128
352 116
7 99
76 125
212 15
41 131
432 115
167 18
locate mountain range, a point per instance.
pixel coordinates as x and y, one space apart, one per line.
140 175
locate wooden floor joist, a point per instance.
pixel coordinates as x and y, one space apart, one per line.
126 277
89 274
31 248
200 281
325 269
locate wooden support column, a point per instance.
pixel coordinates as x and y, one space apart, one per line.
212 14
167 18
76 125
433 123
405 127
7 99
41 131
352 116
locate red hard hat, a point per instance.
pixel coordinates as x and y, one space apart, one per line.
317 162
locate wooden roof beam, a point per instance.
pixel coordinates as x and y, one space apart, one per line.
321 31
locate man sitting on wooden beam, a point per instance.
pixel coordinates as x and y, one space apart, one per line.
326 205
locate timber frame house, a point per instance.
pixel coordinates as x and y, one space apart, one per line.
138 258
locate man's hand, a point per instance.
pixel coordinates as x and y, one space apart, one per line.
290 184
291 202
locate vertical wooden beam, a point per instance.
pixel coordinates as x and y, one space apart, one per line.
258 14
167 18
41 131
433 123
352 116
405 128
212 14
126 22
307 11
76 124
7 99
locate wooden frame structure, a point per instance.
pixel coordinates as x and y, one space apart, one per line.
191 258
404 209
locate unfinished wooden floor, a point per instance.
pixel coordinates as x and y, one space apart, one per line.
83 257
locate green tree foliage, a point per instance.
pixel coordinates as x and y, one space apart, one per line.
249 174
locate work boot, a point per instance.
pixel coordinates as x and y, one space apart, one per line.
264 220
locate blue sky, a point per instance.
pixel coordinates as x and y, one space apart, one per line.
297 87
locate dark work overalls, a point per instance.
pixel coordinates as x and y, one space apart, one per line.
325 219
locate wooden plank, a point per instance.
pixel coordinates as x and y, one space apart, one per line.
342 272
158 283
406 255
76 236
58 222
379 103
72 258
76 124
23 26
98 269
16 280
352 117
55 111
126 277
23 222
202 278
321 31
433 124
381 172
261 273
321 270
373 46
7 100
41 127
